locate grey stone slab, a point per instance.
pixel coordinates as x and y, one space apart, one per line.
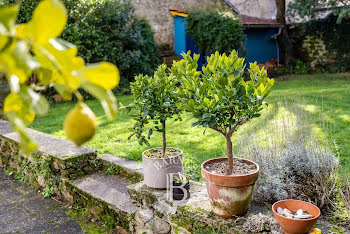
27 212
40 228
5 204
110 189
12 194
11 214
38 205
48 144
70 227
55 216
19 224
4 187
127 164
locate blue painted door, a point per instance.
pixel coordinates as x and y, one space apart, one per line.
259 45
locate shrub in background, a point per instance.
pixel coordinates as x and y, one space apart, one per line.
213 31
111 32
106 30
334 35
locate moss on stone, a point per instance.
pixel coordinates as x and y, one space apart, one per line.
41 169
97 211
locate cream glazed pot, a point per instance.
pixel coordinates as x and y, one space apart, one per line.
156 171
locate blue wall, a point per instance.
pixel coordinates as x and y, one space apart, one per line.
184 43
259 45
180 25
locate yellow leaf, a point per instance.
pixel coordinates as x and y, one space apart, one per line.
106 98
103 74
27 142
77 63
23 31
48 21
65 79
60 55
13 102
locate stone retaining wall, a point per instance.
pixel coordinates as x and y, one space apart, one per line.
159 214
109 190
56 161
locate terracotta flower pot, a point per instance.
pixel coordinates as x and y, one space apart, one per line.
229 195
296 226
156 170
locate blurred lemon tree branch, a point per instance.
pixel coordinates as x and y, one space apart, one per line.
33 48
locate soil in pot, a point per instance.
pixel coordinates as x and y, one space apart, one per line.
158 153
178 191
240 167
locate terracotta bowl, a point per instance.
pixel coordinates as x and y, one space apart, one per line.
296 226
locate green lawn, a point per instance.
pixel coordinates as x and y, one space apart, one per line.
318 103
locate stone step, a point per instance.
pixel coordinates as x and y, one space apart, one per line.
132 170
106 198
110 189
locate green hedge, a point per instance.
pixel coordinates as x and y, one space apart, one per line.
213 31
106 30
335 36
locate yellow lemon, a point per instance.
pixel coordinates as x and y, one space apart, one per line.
80 124
317 231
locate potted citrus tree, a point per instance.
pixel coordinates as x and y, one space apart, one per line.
220 98
154 101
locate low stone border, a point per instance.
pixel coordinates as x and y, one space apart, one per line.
111 190
56 161
157 213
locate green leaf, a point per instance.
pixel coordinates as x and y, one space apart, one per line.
39 103
64 91
13 102
8 17
106 98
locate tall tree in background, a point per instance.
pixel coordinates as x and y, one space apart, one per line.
311 9
284 40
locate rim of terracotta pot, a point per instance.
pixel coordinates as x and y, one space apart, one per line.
274 210
180 153
225 158
231 180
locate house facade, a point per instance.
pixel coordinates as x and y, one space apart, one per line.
161 21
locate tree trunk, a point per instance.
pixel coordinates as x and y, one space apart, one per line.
164 137
281 11
229 154
284 41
